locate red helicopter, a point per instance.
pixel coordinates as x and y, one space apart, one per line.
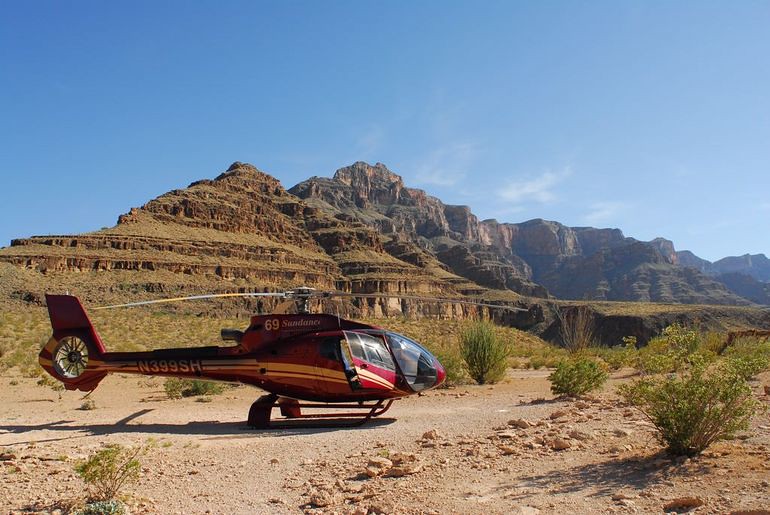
303 360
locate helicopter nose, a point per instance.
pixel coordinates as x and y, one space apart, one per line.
440 373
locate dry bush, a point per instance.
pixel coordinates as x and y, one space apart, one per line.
576 327
109 469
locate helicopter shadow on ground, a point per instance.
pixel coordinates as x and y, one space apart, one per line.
210 429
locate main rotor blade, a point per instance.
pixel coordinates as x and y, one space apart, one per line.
427 299
192 297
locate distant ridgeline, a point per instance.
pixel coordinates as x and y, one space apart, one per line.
364 231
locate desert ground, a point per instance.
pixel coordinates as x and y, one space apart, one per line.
507 448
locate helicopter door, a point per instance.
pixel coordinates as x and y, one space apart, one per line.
336 374
371 360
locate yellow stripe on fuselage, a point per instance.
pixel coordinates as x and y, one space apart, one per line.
307 377
373 377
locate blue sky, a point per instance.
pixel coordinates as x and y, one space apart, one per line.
653 117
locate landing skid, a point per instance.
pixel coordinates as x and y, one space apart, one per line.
291 410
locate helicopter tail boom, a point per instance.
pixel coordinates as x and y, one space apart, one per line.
74 347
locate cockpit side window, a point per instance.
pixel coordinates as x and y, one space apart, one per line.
355 345
370 349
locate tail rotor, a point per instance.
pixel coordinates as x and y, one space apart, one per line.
70 357
73 354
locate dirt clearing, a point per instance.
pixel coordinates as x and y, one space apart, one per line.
510 448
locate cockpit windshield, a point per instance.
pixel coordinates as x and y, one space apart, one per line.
416 363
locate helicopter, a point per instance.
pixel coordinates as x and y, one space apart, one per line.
303 361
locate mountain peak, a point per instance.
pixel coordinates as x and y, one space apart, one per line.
667 250
361 172
238 165
243 176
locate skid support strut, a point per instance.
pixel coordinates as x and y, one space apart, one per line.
291 410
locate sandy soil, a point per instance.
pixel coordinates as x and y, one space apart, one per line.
449 451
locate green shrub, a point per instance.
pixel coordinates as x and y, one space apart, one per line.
577 377
696 407
485 355
177 387
109 469
673 350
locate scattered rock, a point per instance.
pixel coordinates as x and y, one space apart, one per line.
378 466
622 432
354 488
430 435
322 499
580 435
507 450
558 414
404 464
381 508
405 469
399 458
683 504
559 444
520 423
